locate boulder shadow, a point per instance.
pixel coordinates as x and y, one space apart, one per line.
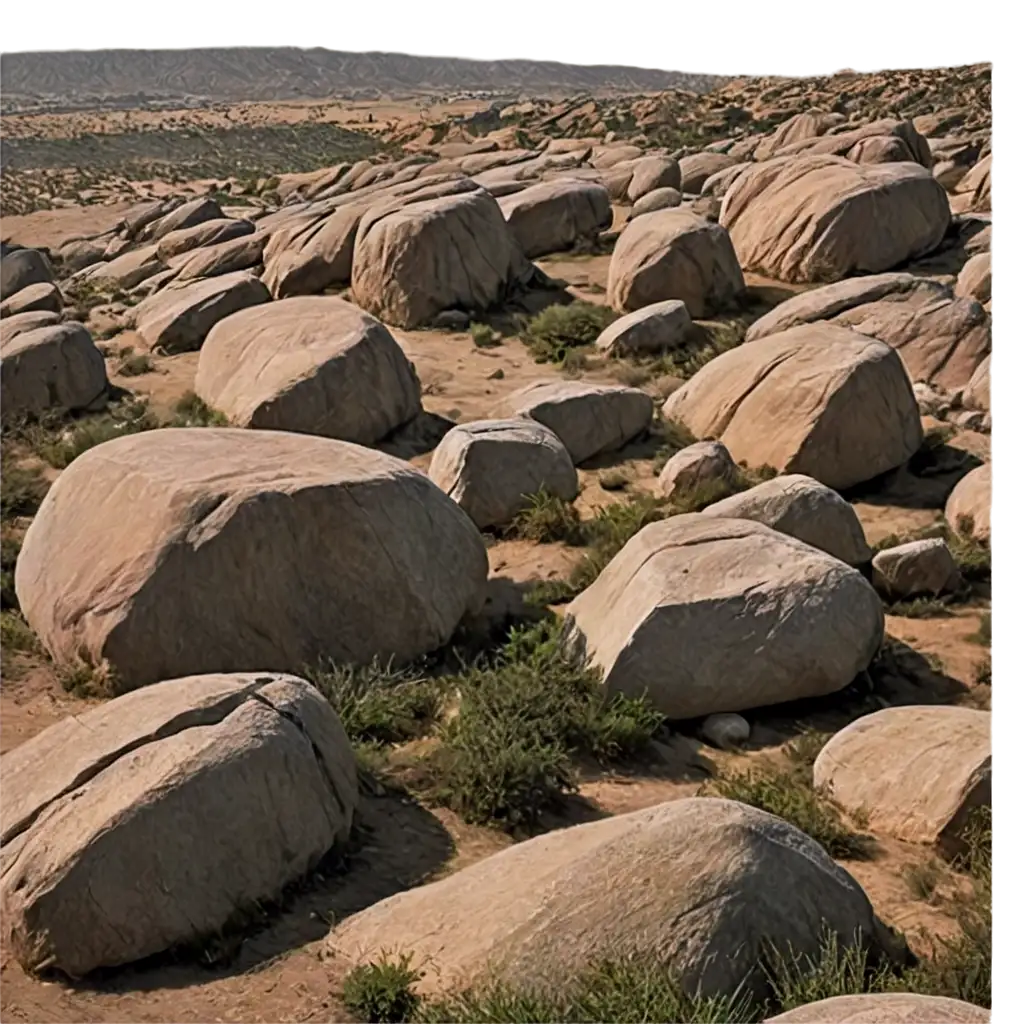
925 482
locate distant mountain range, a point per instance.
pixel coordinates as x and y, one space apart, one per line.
81 78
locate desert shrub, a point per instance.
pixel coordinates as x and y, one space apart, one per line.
920 608
613 480
191 411
134 364
922 879
10 548
983 671
984 632
484 336
554 331
547 519
61 448
21 489
381 992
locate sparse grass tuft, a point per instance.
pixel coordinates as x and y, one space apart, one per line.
16 636
192 411
484 336
547 519
21 489
791 796
507 756
983 671
922 879
552 333
920 608
382 992
10 548
134 364
984 634
60 449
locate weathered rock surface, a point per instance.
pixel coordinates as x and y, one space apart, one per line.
22 268
674 254
975 279
885 1008
698 883
709 615
970 504
695 170
658 199
800 507
916 568
492 467
417 260
794 401
22 323
150 820
916 772
180 551
242 253
654 328
587 418
697 466
651 172
823 218
553 216
211 232
178 317
31 299
978 394
55 367
725 731
187 215
311 365
942 339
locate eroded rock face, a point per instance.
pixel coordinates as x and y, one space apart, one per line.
975 279
674 254
416 260
587 418
941 338
209 793
709 615
312 365
211 232
969 506
697 466
43 297
491 468
54 367
697 883
801 507
695 170
823 218
916 772
916 568
655 328
21 268
174 552
816 387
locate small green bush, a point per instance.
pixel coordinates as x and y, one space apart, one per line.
983 635
554 331
10 548
192 411
21 490
547 519
920 608
135 364
484 336
61 449
382 992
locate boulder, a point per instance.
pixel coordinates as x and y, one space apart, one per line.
21 323
698 883
697 467
916 772
78 253
491 468
587 418
210 232
969 506
654 328
554 216
974 189
178 318
229 257
800 507
794 400
51 368
140 217
880 149
975 278
21 268
809 125
659 199
900 139
651 172
695 170
180 551
708 615
187 215
674 254
129 269
725 731
311 365
33 298
210 794
978 392
716 185
941 338
885 1008
414 261
823 218
916 568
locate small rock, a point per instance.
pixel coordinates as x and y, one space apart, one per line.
703 464
725 731
452 320
918 567
499 374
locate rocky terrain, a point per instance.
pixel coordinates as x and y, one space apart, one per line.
530 564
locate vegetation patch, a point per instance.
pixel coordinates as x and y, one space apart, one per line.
554 332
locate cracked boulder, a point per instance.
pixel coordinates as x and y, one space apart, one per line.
154 819
491 468
698 884
312 365
415 259
709 615
210 232
554 216
55 367
802 508
588 419
818 400
180 551
941 337
674 254
179 316
823 218
916 773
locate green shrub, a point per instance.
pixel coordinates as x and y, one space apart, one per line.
10 548
192 411
921 608
547 519
983 671
484 336
61 449
554 331
16 637
21 490
135 364
984 632
382 992
613 480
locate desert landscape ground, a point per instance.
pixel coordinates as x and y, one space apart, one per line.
493 544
